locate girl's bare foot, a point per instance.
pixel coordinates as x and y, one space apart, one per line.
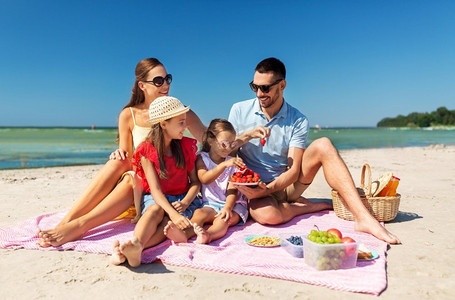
132 250
174 233
117 257
203 237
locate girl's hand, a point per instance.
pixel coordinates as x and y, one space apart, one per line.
181 222
119 154
235 162
179 206
225 214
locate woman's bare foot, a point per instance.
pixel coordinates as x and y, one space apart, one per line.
174 233
132 250
117 258
371 225
61 234
203 237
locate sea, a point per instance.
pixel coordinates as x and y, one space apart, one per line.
47 146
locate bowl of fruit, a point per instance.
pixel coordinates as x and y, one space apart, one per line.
329 250
293 244
245 177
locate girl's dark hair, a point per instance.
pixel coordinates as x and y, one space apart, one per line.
142 69
215 127
156 137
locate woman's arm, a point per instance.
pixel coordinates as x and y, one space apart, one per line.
125 149
195 125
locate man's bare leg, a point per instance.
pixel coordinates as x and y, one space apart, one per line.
321 152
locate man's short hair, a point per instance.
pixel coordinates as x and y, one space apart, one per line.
274 65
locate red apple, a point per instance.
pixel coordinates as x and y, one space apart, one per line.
349 249
347 239
335 231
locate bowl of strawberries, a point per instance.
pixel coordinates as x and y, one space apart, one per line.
245 177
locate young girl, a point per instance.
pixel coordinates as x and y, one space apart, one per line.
223 206
165 164
110 193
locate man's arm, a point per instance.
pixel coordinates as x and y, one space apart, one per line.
286 178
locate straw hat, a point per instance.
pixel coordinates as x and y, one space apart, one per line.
165 107
379 184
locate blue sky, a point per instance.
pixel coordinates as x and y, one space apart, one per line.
349 63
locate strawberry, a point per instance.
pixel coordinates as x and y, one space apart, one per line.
262 141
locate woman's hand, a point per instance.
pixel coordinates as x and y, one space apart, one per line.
179 206
119 154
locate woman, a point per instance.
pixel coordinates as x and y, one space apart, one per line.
106 197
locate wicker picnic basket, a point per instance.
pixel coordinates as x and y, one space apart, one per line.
382 208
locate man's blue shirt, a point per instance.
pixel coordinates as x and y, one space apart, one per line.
289 128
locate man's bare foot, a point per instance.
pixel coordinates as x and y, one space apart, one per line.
371 225
203 237
117 257
132 250
174 233
311 206
61 234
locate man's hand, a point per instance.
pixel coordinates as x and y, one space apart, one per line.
260 191
119 154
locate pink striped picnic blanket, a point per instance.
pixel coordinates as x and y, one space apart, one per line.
230 254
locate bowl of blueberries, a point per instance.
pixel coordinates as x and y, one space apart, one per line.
293 243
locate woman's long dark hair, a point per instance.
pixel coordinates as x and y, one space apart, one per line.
142 69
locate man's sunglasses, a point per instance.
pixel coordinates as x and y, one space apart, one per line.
160 80
263 88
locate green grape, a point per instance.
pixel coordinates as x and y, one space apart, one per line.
330 240
314 232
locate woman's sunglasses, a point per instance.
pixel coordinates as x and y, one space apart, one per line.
263 88
160 80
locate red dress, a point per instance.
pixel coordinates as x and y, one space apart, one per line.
177 181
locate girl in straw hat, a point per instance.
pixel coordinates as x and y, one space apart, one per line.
165 162
223 206
110 193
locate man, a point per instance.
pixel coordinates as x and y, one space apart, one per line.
284 163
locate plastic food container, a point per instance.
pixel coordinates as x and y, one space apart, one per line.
294 250
330 256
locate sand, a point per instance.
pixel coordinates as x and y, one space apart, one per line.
422 267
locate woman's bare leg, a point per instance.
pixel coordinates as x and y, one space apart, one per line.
116 202
99 187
